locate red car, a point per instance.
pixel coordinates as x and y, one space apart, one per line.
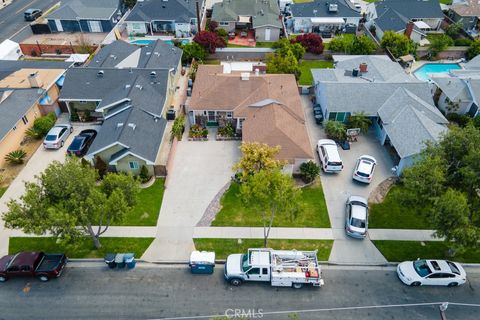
32 264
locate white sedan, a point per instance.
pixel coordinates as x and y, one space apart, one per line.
431 272
57 136
364 169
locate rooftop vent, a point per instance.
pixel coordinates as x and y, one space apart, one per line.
100 73
333 7
132 125
245 75
127 86
120 124
139 87
153 74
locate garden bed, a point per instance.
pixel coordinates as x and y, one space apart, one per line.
223 138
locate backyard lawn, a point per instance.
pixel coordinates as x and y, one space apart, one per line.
84 247
397 251
147 209
306 77
234 213
391 214
224 247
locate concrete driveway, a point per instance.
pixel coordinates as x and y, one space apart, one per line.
338 187
36 165
200 170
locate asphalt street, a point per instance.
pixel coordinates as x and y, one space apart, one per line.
92 291
11 17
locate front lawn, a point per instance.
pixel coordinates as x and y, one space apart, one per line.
2 190
84 247
234 213
397 251
261 44
224 247
147 209
391 214
305 66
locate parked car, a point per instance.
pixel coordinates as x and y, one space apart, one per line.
356 217
317 114
57 136
431 272
329 157
44 266
81 143
364 169
32 14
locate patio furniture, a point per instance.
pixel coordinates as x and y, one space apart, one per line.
243 34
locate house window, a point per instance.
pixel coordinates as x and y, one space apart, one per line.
332 116
24 119
223 23
229 115
133 165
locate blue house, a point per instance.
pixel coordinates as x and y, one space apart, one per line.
86 16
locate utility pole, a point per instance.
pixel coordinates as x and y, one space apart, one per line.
198 16
443 307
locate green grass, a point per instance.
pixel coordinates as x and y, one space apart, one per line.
84 247
2 190
261 44
211 61
397 251
235 214
224 247
233 45
390 214
305 66
147 209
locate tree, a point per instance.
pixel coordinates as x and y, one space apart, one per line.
453 30
212 25
312 42
473 50
101 166
278 63
256 157
66 202
340 44
144 175
309 170
362 45
284 46
359 120
336 130
439 43
398 44
193 51
210 41
271 193
130 3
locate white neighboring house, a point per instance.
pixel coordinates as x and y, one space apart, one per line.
10 50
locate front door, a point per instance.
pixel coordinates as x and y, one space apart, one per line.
473 110
211 116
267 34
59 26
258 274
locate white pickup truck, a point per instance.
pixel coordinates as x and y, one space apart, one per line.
283 268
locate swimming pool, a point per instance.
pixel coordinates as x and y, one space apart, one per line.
422 72
145 42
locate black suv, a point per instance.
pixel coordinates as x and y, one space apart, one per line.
32 14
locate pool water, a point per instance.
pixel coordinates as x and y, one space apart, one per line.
422 72
145 42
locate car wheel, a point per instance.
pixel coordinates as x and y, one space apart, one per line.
43 278
71 129
297 285
452 284
3 279
235 282
415 284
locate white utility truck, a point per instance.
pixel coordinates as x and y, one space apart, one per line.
283 268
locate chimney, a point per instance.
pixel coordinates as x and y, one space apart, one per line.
409 29
35 81
363 67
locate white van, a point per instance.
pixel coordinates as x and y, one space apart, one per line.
329 157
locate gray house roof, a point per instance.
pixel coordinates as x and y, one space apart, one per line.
87 9
319 8
120 54
13 106
7 67
178 10
263 13
454 88
410 122
473 63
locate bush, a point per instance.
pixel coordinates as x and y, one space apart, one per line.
16 157
227 131
476 122
309 171
178 127
398 44
210 41
222 33
439 43
41 126
336 130
474 49
212 25
144 175
463 42
311 42
460 119
197 131
101 166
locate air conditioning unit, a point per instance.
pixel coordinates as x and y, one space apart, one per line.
333 7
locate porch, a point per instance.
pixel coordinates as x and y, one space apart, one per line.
215 118
242 37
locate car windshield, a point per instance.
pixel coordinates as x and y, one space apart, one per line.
453 267
357 223
331 163
51 137
244 264
421 268
76 144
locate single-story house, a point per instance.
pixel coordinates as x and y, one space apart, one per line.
243 15
132 104
26 94
323 16
467 13
177 18
85 16
264 108
400 107
410 17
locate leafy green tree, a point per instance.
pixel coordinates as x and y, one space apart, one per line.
362 45
283 63
130 3
178 127
309 170
284 46
256 157
41 126
66 202
398 44
359 120
453 30
193 50
440 43
336 130
340 44
474 49
271 193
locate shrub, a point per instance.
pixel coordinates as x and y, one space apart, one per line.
460 119
227 131
439 43
210 41
474 49
16 157
311 42
41 126
212 25
359 120
398 44
178 127
309 171
144 175
476 122
101 166
463 42
336 130
222 33
85 163
197 131
193 51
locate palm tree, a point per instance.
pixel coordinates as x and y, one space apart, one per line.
359 120
336 130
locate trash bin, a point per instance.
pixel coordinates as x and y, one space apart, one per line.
171 114
202 262
110 260
129 260
119 260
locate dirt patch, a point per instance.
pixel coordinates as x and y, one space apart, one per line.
9 172
377 195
